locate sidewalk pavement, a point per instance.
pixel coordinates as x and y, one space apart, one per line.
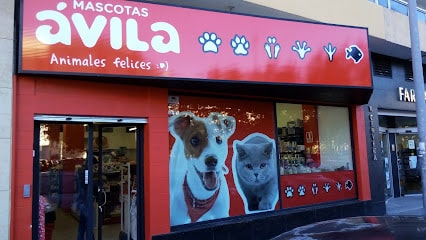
407 205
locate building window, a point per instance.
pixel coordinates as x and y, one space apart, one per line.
383 3
382 65
421 15
408 68
399 6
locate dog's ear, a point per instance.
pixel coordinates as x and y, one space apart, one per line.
229 123
181 123
226 124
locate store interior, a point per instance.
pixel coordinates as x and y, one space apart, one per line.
304 133
64 180
402 170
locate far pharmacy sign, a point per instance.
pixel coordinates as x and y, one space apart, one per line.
144 40
407 95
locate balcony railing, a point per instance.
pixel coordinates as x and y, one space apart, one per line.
401 7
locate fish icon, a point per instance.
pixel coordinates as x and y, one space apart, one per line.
355 53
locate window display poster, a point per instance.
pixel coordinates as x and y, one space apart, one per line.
222 158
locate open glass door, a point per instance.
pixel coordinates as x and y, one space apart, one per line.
64 191
115 166
410 167
87 180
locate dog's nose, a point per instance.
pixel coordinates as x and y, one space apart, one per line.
211 162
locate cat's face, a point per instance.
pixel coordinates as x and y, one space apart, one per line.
255 163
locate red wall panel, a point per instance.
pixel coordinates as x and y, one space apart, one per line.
35 95
361 156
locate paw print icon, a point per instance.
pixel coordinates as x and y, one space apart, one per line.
327 187
301 190
240 45
301 48
314 189
272 48
339 186
289 191
210 42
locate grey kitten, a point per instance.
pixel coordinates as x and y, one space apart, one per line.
256 172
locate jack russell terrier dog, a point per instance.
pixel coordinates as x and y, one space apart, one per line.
198 188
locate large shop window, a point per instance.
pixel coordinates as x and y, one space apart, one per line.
315 154
229 157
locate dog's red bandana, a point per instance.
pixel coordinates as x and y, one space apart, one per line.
197 207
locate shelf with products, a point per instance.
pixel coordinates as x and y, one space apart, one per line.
112 161
292 150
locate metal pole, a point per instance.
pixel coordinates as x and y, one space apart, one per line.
419 89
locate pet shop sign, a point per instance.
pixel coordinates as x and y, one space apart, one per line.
137 39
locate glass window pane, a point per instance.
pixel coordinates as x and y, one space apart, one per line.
410 171
315 151
67 199
335 138
384 142
399 7
61 154
313 138
383 3
421 16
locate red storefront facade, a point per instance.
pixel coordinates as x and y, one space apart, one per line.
102 66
